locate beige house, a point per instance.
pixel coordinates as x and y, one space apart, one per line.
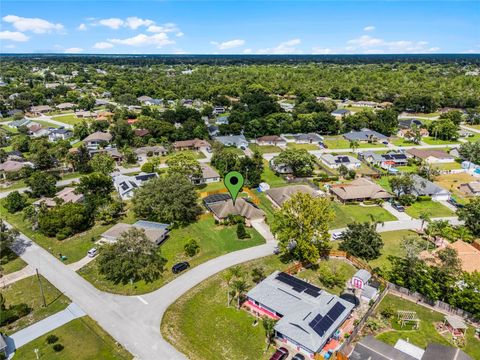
431 156
271 140
66 195
10 166
93 141
470 189
281 194
195 144
222 209
359 190
155 232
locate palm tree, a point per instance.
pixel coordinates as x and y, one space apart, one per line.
425 217
268 326
239 286
228 276
354 145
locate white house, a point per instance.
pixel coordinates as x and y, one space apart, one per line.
125 185
335 161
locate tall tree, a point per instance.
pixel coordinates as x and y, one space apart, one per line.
362 240
301 227
102 163
300 161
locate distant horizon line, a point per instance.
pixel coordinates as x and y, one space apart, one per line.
240 54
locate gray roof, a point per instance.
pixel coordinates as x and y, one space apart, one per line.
301 309
424 187
232 140
442 352
281 194
370 348
408 123
364 135
21 122
340 112
310 137
396 157
339 159
363 275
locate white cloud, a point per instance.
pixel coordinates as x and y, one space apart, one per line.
134 22
82 27
369 28
168 27
286 47
36 25
13 36
159 40
102 45
112 23
320 50
368 45
73 50
179 34
228 44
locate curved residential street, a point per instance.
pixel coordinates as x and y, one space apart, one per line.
134 321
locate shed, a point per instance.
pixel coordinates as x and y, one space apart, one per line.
360 279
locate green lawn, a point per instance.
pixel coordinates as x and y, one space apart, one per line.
211 187
391 246
432 141
265 149
384 182
270 177
447 166
474 138
46 124
10 262
434 208
408 168
74 248
267 206
402 142
337 142
235 150
214 241
67 119
233 334
293 145
426 333
346 214
28 291
82 338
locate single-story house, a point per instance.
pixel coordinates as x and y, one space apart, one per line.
385 160
19 123
83 114
281 194
408 134
143 153
310 138
195 144
155 232
125 185
59 134
471 188
222 208
213 130
369 104
336 161
101 102
221 120
468 254
359 190
144 98
113 152
340 113
280 168
67 195
40 109
424 187
94 140
271 140
157 102
11 166
308 317
64 106
238 141
209 175
3 346
431 156
288 107
409 123
365 135
218 110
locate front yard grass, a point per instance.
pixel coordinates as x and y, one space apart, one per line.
402 142
28 291
432 141
427 333
337 142
265 149
346 214
294 145
269 176
67 119
434 208
82 338
214 240
10 262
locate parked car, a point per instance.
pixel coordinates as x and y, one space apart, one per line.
280 354
276 250
385 142
92 252
337 235
179 267
298 357
398 207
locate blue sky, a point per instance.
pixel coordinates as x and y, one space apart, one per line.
237 27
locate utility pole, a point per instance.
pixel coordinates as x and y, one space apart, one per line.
41 288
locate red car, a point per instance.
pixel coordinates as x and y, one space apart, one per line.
280 354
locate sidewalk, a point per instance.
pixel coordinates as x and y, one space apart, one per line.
42 327
8 279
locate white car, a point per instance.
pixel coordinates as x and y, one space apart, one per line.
337 235
92 252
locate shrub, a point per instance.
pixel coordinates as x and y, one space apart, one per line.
147 167
52 339
15 202
58 347
406 199
424 198
191 248
242 232
388 312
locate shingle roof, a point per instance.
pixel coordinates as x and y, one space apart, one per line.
424 187
281 194
364 135
208 172
442 352
370 348
98 136
241 207
423 154
360 189
153 234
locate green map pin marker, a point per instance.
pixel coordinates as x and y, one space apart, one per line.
233 182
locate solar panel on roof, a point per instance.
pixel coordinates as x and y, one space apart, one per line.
298 285
322 325
315 321
335 312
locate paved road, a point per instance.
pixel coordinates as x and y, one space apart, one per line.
42 327
468 128
134 321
